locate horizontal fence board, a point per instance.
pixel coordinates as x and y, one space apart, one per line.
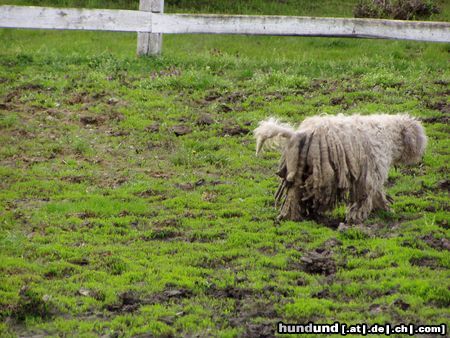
300 26
75 18
141 21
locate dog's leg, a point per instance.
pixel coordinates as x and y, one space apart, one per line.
291 209
292 155
381 201
359 211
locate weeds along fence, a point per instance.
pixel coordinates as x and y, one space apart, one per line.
150 22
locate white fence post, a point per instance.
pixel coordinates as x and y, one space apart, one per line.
150 43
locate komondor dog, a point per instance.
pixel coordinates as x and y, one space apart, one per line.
330 159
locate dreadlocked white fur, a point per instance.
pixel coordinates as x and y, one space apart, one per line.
340 158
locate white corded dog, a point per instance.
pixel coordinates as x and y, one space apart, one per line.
329 159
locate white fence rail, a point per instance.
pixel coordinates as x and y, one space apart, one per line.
150 22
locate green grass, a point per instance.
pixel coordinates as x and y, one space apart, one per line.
112 225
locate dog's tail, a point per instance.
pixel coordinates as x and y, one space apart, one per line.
274 132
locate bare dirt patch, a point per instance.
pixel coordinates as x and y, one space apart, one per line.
205 120
249 305
181 130
234 130
435 243
130 301
429 262
319 261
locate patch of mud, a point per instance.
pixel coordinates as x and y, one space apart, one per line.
376 309
331 243
130 301
117 133
181 130
273 96
444 185
401 304
152 128
150 193
75 179
435 243
79 98
441 106
215 263
234 130
332 223
263 330
33 304
444 119
170 222
88 120
337 100
160 174
190 186
249 304
205 120
429 262
79 261
319 261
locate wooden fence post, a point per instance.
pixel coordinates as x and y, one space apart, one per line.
150 43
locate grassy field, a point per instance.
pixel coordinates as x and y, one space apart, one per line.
132 203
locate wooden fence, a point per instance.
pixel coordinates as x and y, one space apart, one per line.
150 22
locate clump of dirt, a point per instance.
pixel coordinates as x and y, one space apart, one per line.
429 262
325 293
171 293
130 301
91 120
118 133
234 130
153 128
442 106
248 306
262 330
331 243
181 130
173 222
229 292
444 185
205 120
376 309
337 100
33 304
79 98
166 230
190 186
224 108
74 178
80 261
439 244
439 119
319 261
148 193
162 234
401 304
